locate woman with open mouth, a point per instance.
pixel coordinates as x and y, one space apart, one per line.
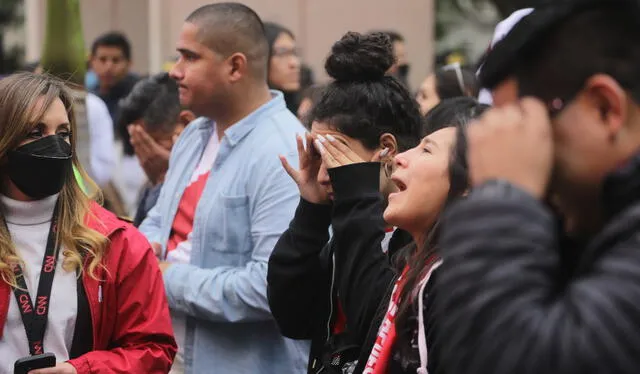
367 111
388 305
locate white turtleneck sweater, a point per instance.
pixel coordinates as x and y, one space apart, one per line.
29 224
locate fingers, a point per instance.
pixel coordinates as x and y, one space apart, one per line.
327 158
136 141
133 135
379 156
141 141
311 149
293 173
512 143
535 113
341 151
300 146
145 141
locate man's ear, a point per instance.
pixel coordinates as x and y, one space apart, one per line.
389 141
238 67
611 100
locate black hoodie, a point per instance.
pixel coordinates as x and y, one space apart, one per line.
302 285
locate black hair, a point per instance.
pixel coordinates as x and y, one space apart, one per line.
456 113
272 31
307 77
156 101
394 36
362 102
555 49
228 28
455 81
313 93
112 39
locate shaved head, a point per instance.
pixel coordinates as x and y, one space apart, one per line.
228 28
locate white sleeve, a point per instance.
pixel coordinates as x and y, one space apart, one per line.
103 157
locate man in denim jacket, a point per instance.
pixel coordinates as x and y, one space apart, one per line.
226 199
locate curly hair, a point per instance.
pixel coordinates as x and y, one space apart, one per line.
362 101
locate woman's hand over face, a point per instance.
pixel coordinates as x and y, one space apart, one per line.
334 153
307 176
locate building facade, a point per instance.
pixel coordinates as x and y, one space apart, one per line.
153 26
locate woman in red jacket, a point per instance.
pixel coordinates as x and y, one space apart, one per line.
80 290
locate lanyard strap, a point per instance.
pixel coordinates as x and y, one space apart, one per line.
34 318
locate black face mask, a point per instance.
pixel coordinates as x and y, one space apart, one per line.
40 168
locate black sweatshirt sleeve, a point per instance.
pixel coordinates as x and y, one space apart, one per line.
298 282
363 270
501 308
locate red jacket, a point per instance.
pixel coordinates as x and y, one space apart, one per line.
132 330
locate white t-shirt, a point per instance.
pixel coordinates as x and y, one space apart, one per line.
128 178
103 155
29 224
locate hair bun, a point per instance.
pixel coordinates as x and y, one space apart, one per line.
358 57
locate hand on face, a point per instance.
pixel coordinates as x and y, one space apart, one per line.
335 153
307 177
513 143
62 368
153 158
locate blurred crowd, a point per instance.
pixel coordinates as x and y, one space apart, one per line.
128 162
232 215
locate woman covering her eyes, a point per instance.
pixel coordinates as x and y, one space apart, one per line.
80 291
368 112
389 306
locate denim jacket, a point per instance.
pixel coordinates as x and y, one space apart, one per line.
247 203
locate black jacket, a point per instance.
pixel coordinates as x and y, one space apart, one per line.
365 275
302 286
515 304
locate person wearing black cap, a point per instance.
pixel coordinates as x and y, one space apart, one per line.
518 292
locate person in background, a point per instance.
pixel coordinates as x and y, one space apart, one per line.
400 67
94 276
307 77
91 111
111 62
153 119
226 199
389 305
309 98
303 294
284 63
541 270
447 82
